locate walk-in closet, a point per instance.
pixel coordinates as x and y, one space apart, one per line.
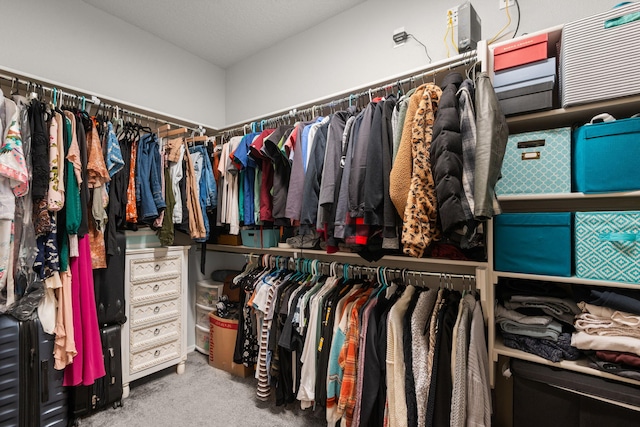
340 213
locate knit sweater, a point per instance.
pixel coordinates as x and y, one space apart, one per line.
478 388
419 348
459 354
395 361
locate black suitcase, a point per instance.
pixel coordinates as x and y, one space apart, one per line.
104 391
31 390
109 287
9 371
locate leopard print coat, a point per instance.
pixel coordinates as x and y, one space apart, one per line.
420 215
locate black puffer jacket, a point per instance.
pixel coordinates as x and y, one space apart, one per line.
446 157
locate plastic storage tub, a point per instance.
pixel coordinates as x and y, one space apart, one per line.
208 293
202 339
202 315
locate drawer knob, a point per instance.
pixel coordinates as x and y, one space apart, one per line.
156 287
156 332
156 310
156 268
156 353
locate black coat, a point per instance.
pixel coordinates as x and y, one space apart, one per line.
446 157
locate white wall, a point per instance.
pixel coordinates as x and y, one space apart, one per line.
215 261
355 48
76 44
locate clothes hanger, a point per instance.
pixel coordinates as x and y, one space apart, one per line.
15 82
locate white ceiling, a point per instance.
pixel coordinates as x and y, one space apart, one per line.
223 32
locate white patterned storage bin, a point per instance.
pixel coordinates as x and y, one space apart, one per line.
598 54
608 246
537 163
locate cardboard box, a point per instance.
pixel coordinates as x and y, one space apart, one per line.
527 87
222 343
535 70
538 101
230 239
521 52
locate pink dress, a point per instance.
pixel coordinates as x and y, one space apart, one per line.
88 365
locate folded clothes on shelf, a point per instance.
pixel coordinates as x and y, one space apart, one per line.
585 341
549 332
605 321
562 309
550 350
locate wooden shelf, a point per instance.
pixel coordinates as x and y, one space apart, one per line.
563 202
581 365
567 196
399 261
619 108
570 280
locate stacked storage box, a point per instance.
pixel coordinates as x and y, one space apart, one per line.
537 163
525 75
602 48
207 294
606 156
260 238
534 243
608 246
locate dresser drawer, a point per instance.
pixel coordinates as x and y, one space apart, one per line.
151 336
155 267
154 313
155 356
155 289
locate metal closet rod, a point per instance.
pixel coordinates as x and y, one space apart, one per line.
62 92
468 58
309 264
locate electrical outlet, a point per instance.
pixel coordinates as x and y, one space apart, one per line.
452 14
399 37
502 4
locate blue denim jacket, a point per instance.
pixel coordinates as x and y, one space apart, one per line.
208 192
148 179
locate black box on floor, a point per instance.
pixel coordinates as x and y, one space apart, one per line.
554 397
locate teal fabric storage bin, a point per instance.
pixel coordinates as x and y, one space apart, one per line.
537 163
608 246
534 243
606 156
256 238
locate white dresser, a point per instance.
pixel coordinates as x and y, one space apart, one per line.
155 334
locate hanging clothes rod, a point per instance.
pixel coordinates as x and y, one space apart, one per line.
468 58
308 264
61 93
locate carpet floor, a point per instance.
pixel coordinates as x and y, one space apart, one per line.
202 396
